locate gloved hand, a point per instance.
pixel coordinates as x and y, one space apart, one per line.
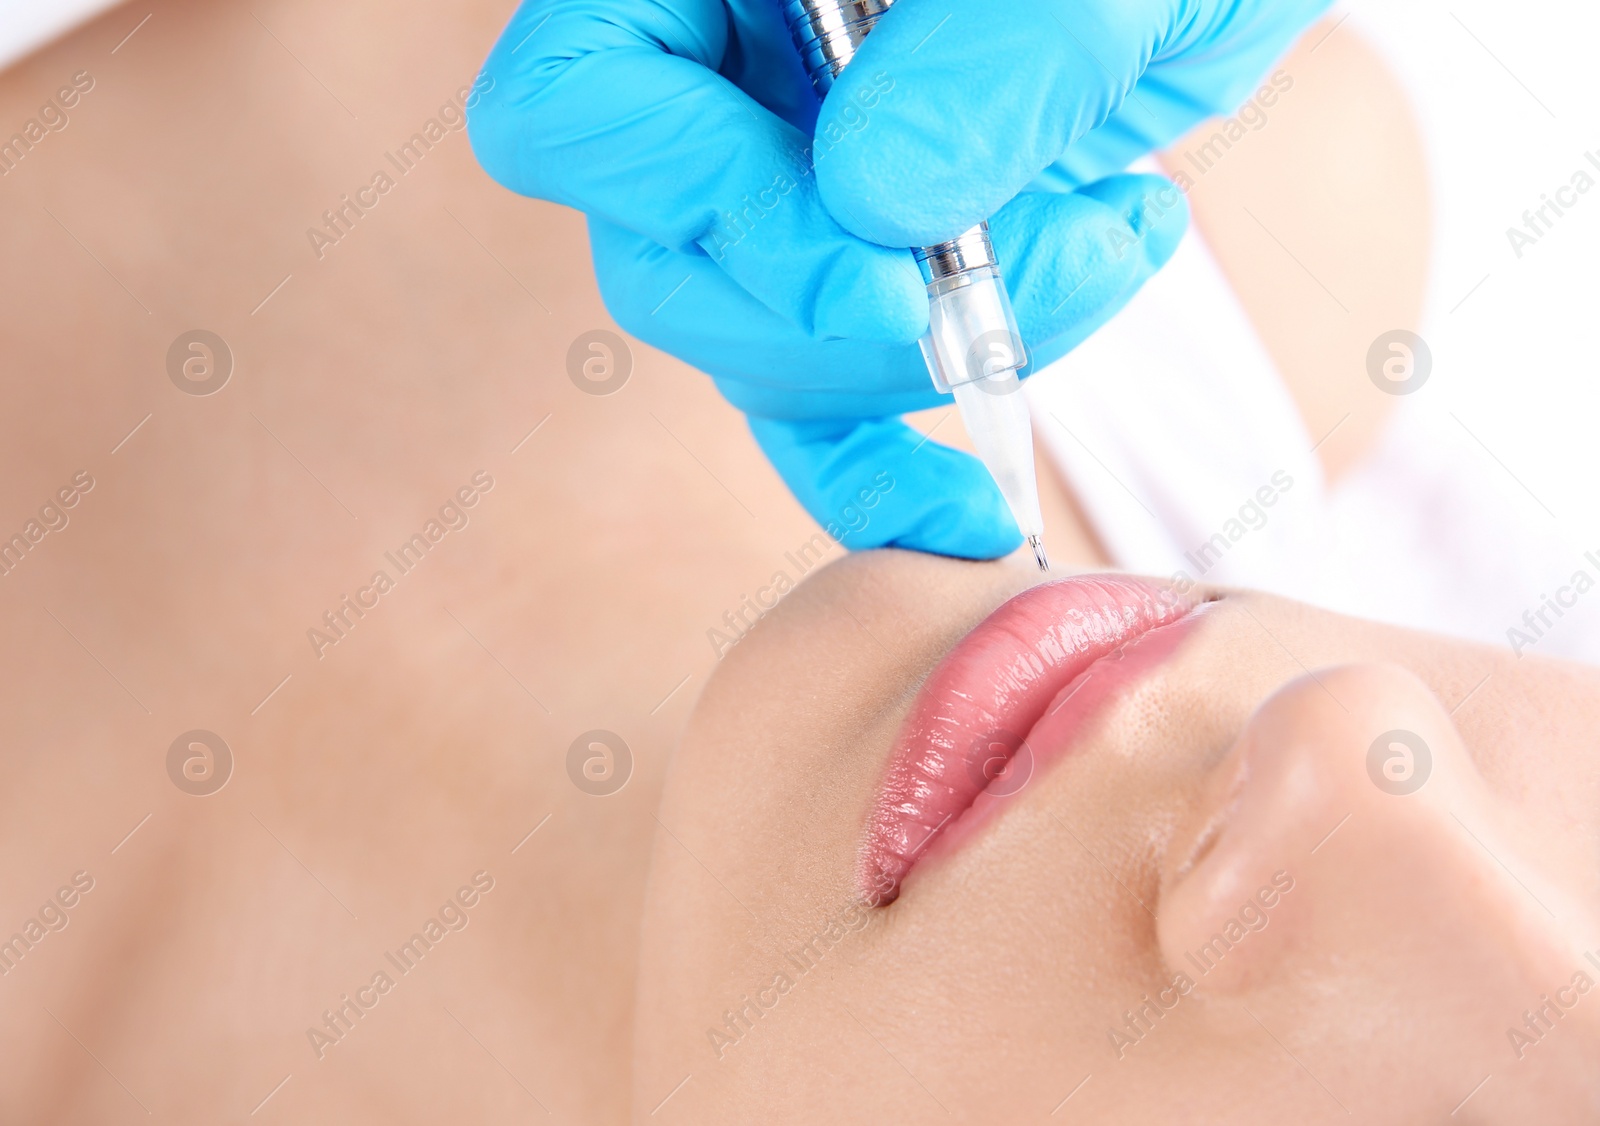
683 128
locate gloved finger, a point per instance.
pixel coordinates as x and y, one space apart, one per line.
1072 260
879 483
688 307
1161 109
615 107
983 97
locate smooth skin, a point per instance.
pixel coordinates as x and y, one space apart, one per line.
1403 938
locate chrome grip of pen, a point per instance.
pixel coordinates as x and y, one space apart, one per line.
972 348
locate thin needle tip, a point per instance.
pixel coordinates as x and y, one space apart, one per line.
1037 543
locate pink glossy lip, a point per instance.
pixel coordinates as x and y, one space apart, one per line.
979 708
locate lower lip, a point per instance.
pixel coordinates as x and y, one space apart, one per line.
1010 698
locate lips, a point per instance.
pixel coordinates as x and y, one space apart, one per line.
970 731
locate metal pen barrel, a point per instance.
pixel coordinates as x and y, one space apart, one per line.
972 348
827 33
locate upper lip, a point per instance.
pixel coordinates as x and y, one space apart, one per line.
985 697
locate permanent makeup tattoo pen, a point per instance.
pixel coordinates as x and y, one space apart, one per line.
973 349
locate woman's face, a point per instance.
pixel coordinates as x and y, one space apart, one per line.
1233 860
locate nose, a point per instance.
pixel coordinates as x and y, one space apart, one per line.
1350 874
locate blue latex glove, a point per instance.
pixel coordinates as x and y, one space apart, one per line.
683 128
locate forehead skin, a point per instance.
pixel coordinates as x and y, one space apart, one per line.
764 809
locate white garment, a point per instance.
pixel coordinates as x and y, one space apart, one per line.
1171 422
1173 426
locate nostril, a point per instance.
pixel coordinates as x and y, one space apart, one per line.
1202 849
1211 833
